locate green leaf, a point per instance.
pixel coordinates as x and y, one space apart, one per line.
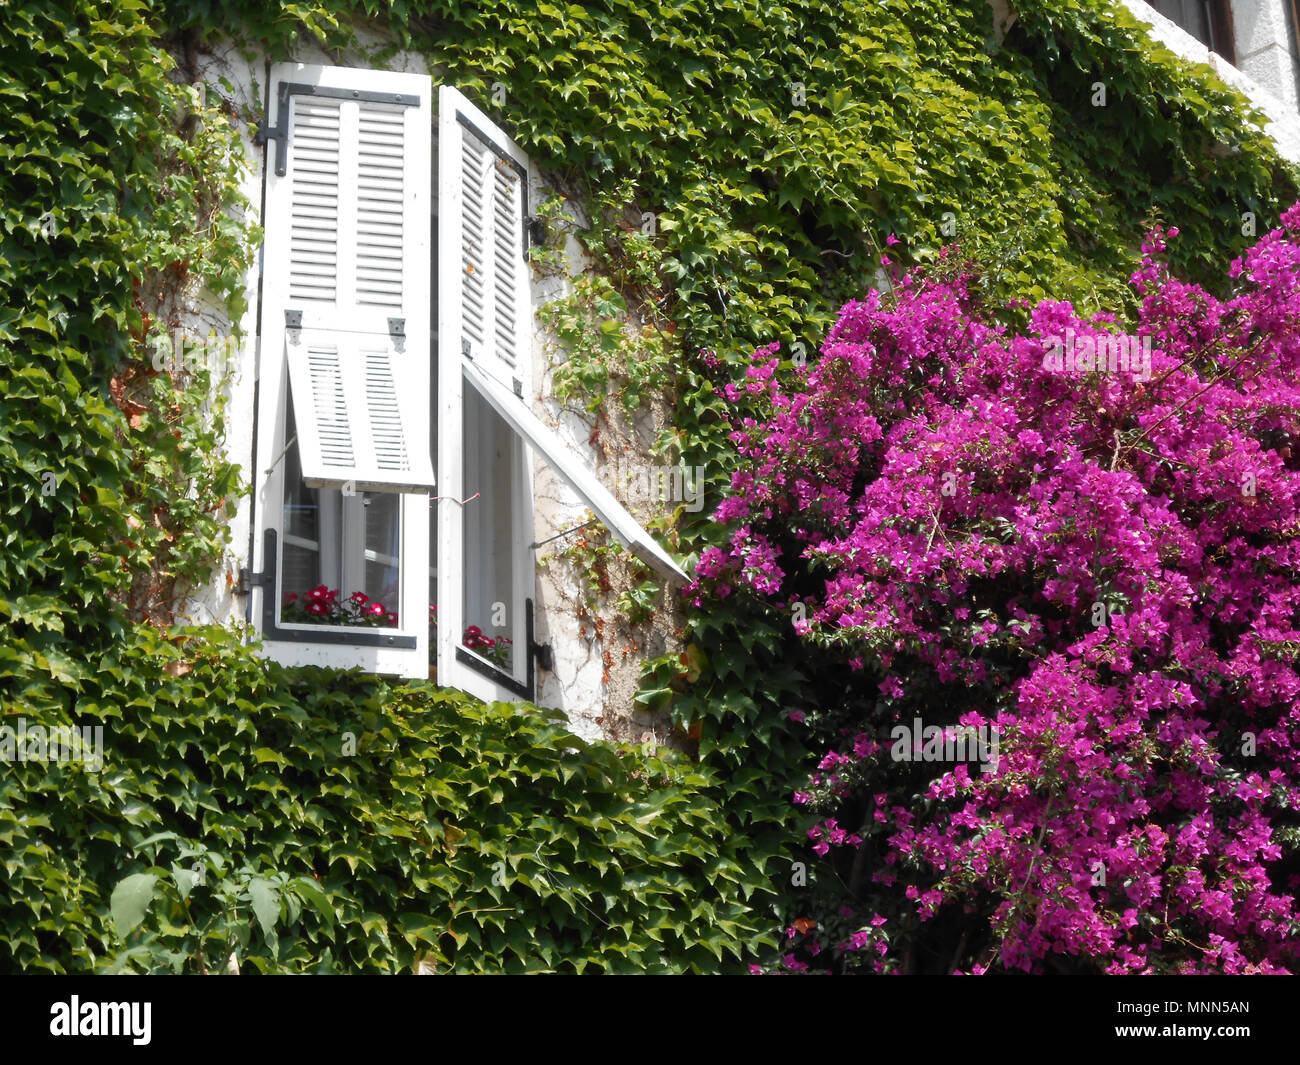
185 880
266 905
130 901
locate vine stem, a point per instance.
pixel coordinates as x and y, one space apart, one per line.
1213 381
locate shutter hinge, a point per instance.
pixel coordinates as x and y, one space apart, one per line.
280 131
397 332
534 233
542 656
248 580
293 326
519 387
466 349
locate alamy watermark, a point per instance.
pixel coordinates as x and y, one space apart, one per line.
675 484
180 352
57 743
1099 354
919 742
77 1018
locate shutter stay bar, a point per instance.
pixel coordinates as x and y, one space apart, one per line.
280 131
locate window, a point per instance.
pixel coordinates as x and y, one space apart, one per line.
358 547
1209 21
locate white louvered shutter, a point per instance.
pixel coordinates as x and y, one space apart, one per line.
347 272
576 473
483 203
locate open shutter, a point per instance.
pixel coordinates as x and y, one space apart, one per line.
484 314
483 203
576 473
347 252
484 372
344 360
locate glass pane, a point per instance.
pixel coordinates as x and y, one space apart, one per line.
493 617
383 520
1191 15
433 496
340 560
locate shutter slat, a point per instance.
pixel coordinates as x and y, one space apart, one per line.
314 200
381 199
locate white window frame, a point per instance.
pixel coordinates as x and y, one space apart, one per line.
402 650
457 665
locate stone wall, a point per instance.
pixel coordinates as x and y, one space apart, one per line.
1265 72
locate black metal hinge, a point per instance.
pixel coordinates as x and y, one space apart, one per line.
534 233
542 656
248 580
280 131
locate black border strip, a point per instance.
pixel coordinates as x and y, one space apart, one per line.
280 131
271 630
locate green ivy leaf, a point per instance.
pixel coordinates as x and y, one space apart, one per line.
130 901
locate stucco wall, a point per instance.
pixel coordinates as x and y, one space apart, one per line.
1263 47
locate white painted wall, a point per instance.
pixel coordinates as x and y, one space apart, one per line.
1266 77
1266 47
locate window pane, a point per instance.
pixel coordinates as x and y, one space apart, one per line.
433 456
493 459
1191 15
340 562
383 527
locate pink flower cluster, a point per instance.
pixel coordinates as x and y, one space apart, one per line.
321 606
1103 566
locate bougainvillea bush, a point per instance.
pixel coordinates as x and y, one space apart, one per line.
1097 566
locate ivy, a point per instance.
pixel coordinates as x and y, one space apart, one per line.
382 828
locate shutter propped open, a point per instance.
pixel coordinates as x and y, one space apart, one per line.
353 410
576 473
348 221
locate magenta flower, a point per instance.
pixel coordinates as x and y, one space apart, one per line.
1080 537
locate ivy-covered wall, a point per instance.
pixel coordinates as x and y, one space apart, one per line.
780 150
